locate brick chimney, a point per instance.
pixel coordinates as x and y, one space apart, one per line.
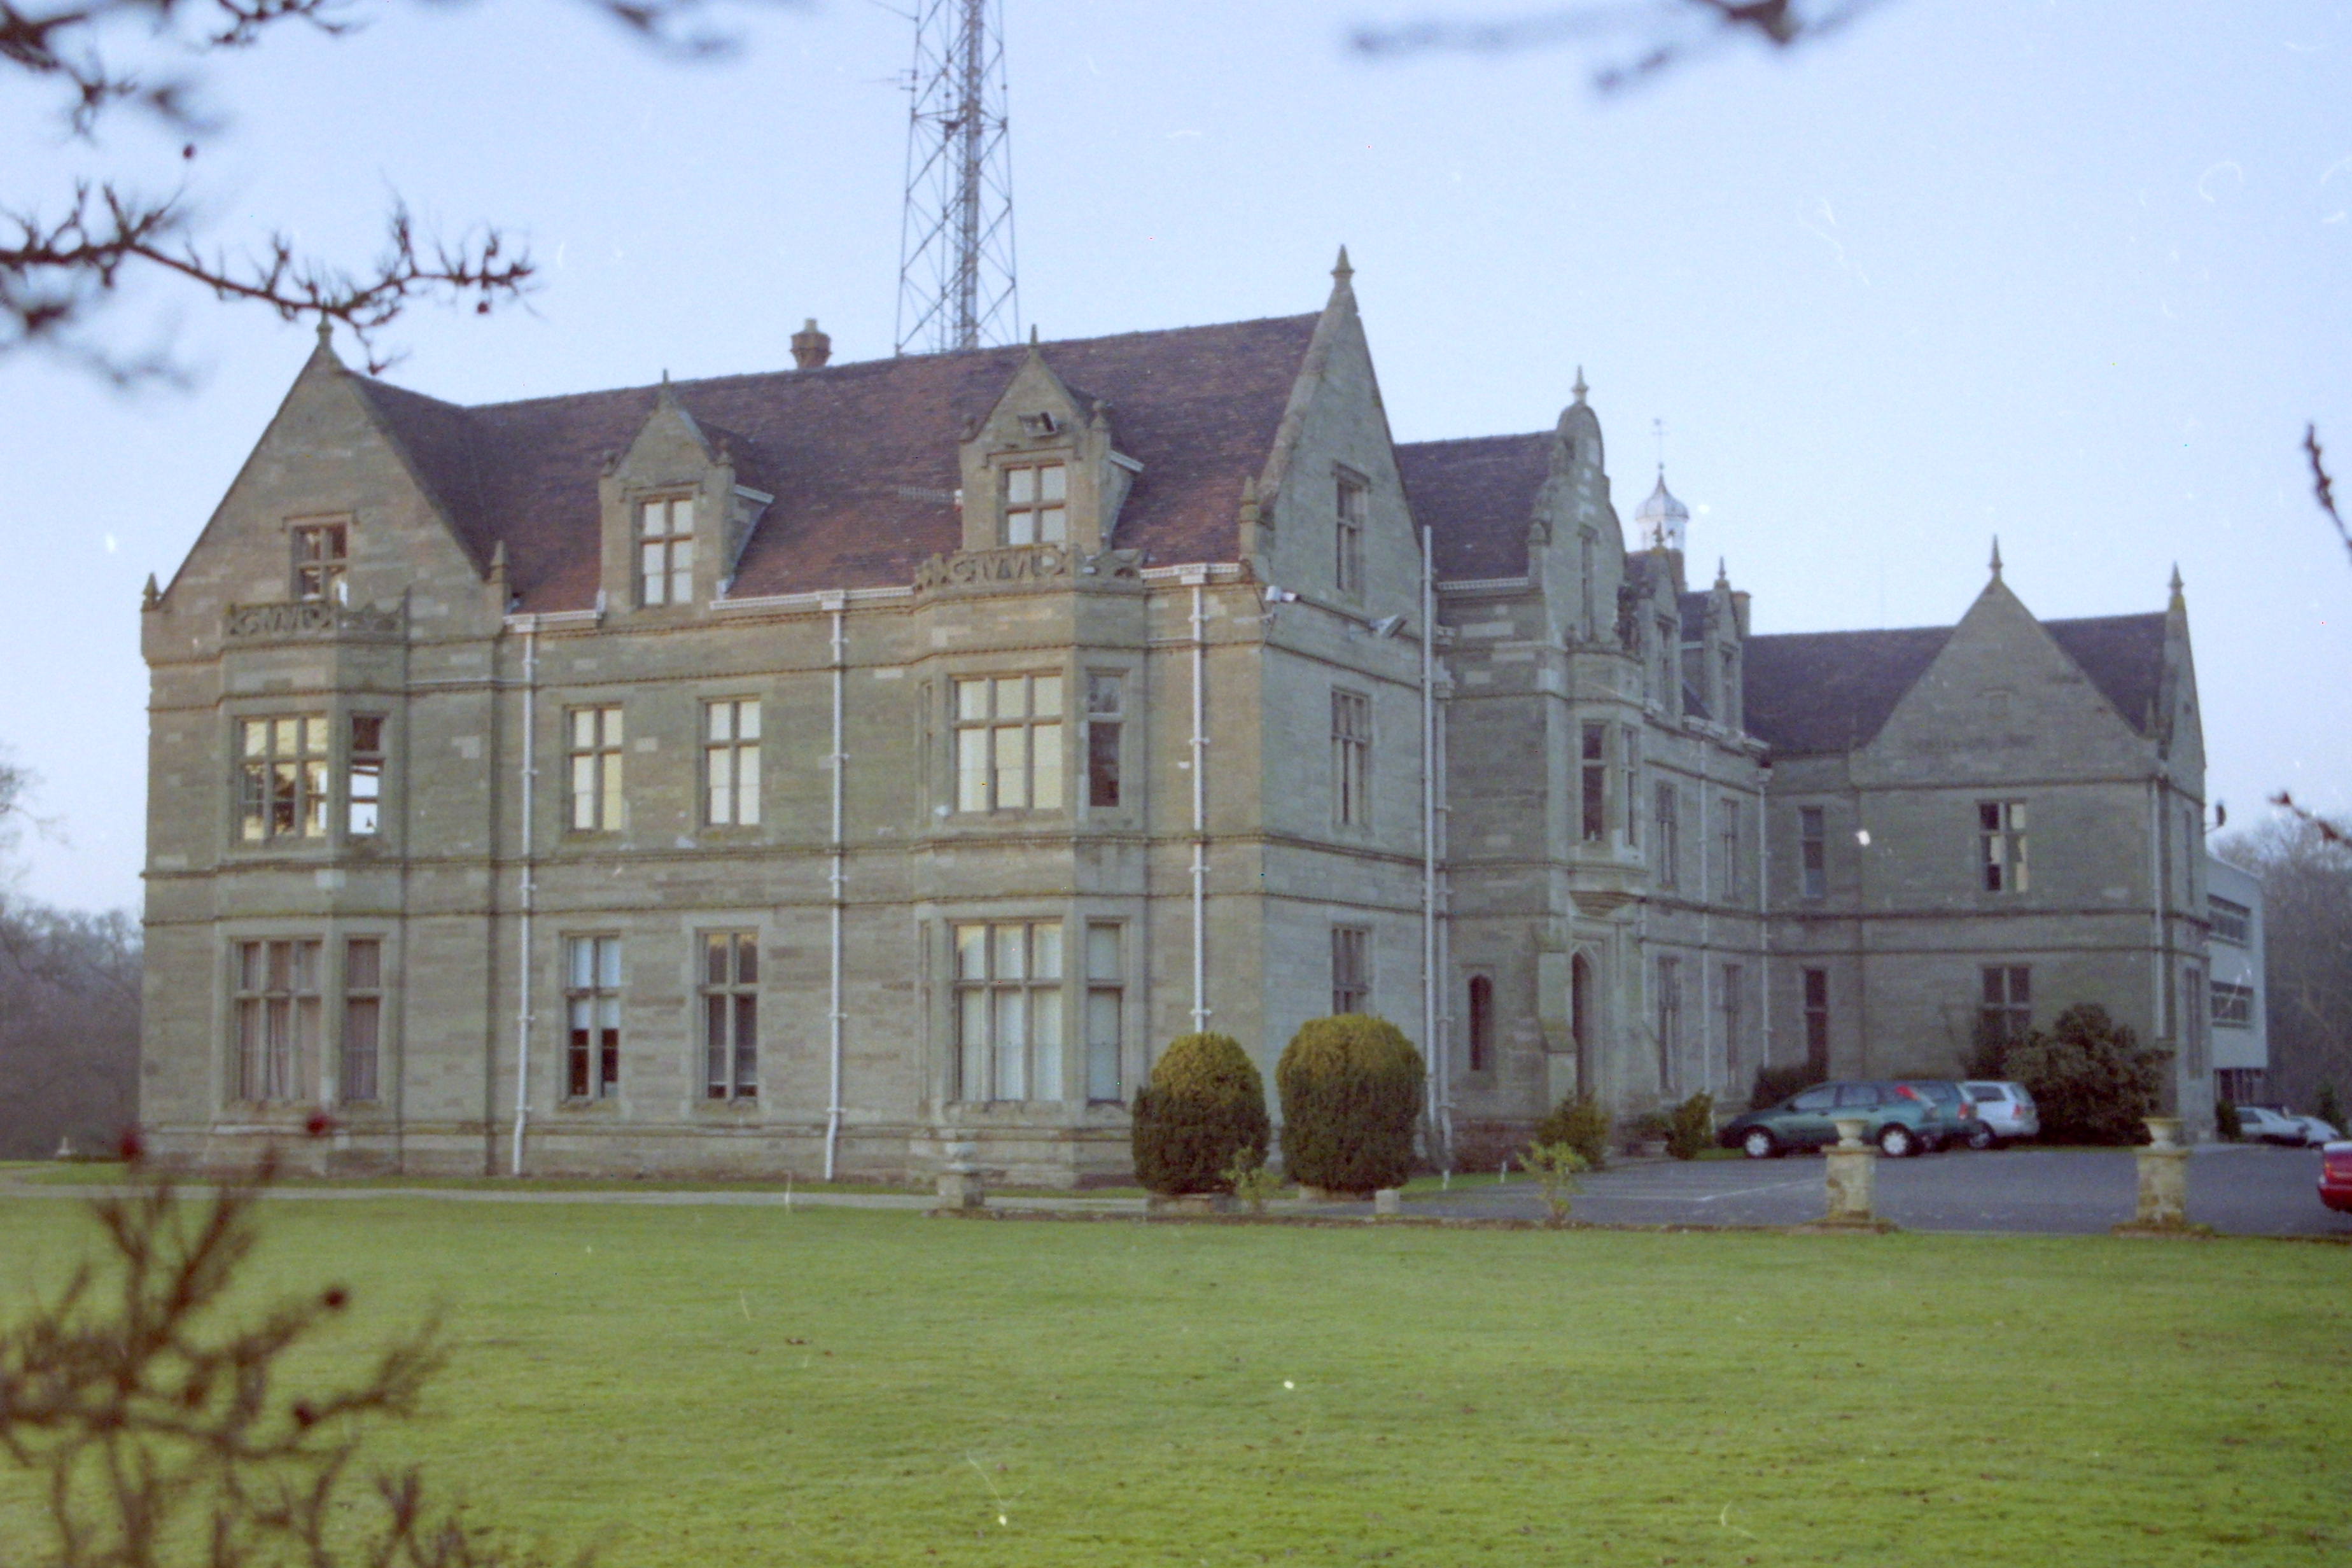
811 348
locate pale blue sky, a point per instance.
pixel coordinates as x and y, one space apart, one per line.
2077 273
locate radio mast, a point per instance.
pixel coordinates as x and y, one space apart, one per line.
956 286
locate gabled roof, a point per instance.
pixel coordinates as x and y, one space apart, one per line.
1477 497
861 457
2124 657
1832 691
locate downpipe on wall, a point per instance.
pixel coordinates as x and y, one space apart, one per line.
523 958
1200 814
833 1010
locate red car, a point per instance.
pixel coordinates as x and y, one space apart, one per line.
2336 1175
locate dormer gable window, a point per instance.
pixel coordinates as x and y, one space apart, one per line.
666 551
1038 425
321 551
1037 502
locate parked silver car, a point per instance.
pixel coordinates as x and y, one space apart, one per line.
2004 1112
2264 1125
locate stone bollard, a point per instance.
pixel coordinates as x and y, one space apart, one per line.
1851 1177
960 1183
1388 1202
2163 1182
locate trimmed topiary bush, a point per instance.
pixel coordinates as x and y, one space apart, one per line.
1204 1106
1351 1094
2226 1125
1581 1124
2089 1077
1690 1127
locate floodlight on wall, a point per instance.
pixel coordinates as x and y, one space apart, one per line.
1274 595
1387 626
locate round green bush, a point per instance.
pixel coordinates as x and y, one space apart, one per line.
1205 1103
1351 1095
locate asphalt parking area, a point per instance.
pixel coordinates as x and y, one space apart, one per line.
2238 1189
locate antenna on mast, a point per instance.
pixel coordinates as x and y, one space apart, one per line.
956 286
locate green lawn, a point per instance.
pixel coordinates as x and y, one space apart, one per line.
715 1386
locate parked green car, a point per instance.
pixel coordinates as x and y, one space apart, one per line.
1899 1120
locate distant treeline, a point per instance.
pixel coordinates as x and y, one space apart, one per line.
68 1029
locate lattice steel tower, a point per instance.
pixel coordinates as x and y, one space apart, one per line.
956 286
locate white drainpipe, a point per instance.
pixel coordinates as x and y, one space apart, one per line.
1764 907
524 963
1199 815
1433 1090
833 1011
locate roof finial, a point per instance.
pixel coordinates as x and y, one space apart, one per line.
151 596
2176 579
326 330
1722 577
1996 557
1341 272
1658 427
1580 388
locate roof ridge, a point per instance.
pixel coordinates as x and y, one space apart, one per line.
849 369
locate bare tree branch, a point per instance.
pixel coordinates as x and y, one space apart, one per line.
59 271
1664 33
2323 487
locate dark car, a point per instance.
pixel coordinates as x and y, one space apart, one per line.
1955 1121
1894 1117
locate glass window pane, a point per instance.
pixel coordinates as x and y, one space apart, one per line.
579 966
608 1015
283 733
747 959
1045 951
972 1025
650 569
681 515
1012 953
256 737
1045 1032
1045 743
1021 527
971 770
1102 952
1103 694
609 817
1102 1045
608 963
1012 768
1011 697
971 953
722 721
306 966
612 721
715 951
1052 481
1011 1034
747 1035
363 965
1052 525
1048 692
747 720
971 699
1020 486
314 734
747 785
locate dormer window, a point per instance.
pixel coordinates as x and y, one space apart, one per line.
666 551
320 551
1039 425
1037 503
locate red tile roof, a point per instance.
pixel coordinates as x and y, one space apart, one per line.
861 457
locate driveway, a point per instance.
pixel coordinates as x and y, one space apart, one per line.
2239 1189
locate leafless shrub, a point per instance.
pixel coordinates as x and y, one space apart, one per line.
1642 38
162 1425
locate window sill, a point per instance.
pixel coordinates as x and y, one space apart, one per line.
739 1107
610 1106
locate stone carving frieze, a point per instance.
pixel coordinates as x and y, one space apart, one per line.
1019 566
311 621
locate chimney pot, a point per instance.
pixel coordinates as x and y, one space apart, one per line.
811 348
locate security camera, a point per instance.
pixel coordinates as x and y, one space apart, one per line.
1387 626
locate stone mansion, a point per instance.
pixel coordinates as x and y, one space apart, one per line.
817 771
